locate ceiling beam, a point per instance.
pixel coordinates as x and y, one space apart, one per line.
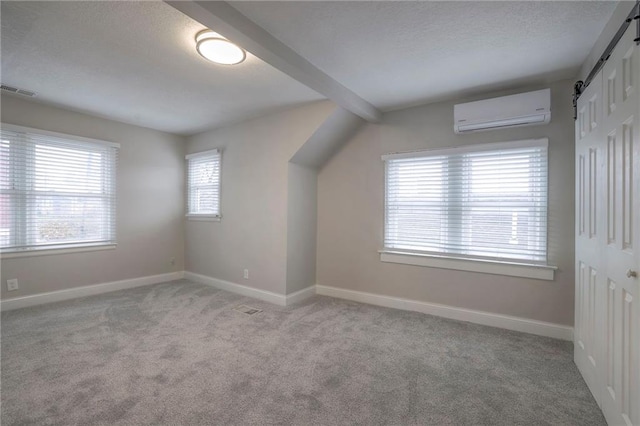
223 18
334 132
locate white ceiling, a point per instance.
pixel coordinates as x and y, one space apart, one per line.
135 61
397 54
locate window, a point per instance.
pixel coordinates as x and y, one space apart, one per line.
203 192
484 202
56 191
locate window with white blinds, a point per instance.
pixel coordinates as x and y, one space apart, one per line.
484 201
203 181
56 191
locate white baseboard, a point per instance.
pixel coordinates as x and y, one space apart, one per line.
524 325
479 317
301 295
267 296
89 290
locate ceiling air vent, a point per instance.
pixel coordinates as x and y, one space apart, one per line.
16 91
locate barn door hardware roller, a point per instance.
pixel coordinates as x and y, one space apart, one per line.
637 18
579 86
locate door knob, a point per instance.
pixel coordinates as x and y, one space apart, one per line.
631 273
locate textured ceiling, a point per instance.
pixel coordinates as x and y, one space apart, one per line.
134 62
397 54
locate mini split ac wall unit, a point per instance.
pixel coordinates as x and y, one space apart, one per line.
523 109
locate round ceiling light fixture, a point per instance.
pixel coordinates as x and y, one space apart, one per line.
215 48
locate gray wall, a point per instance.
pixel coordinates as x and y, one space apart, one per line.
301 227
150 191
350 215
254 198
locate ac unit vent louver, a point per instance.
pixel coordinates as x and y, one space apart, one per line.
17 91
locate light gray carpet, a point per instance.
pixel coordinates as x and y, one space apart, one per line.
176 353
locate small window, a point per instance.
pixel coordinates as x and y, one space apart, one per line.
485 202
203 192
56 191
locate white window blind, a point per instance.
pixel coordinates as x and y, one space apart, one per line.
484 201
204 184
56 191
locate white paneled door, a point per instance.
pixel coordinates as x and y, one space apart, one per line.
588 125
607 322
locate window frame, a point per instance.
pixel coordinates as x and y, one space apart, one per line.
483 264
63 247
205 217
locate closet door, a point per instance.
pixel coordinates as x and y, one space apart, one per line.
607 323
619 374
589 289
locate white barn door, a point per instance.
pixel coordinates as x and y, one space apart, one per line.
588 290
607 322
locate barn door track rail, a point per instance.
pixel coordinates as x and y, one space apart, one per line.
580 85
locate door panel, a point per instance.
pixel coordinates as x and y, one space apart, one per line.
621 254
588 196
607 349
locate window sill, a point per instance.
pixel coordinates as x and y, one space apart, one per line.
203 217
49 251
539 272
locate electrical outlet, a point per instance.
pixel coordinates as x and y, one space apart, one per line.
246 274
172 261
12 285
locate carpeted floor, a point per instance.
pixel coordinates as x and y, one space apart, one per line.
177 353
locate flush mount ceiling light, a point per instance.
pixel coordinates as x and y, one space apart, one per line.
215 48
